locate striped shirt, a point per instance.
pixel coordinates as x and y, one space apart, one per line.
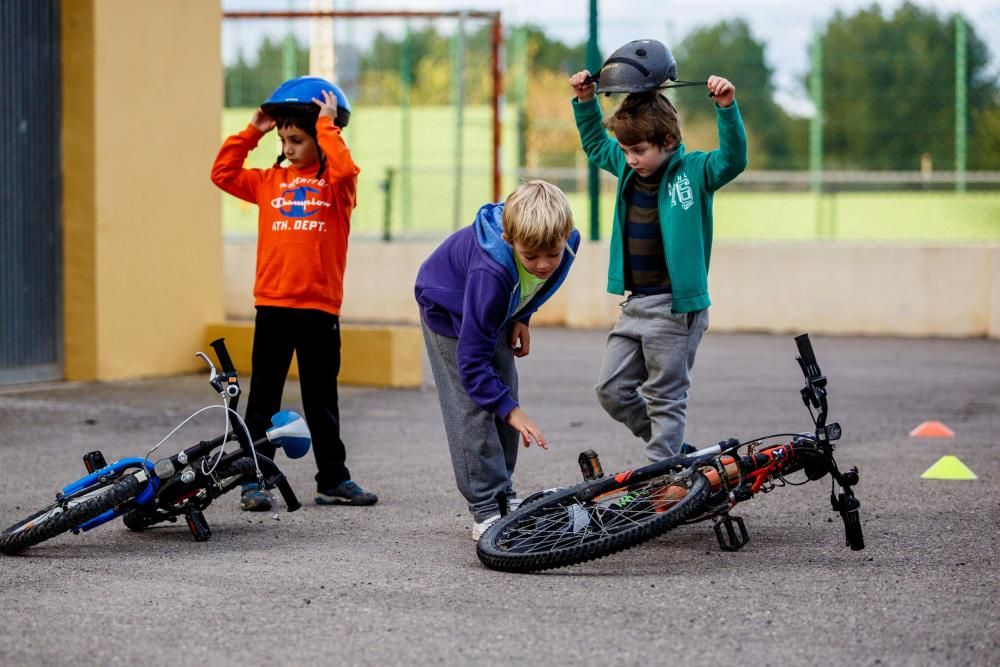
645 262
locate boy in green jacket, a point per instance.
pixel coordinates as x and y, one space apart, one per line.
661 244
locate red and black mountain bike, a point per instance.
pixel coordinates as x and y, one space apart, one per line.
605 515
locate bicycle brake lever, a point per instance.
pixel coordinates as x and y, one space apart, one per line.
213 377
211 366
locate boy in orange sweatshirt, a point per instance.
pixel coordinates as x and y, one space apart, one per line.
303 223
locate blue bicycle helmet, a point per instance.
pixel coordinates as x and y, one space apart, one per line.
295 98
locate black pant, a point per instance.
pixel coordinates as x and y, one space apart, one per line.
314 336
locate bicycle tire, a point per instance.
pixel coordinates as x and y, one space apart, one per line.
233 474
49 522
575 526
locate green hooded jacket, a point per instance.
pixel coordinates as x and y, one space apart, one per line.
685 200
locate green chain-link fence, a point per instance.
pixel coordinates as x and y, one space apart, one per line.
889 131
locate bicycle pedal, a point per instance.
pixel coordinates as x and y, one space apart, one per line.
731 541
590 465
198 525
94 461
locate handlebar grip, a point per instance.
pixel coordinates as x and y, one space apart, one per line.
219 345
291 502
808 357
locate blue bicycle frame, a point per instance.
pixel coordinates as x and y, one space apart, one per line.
113 469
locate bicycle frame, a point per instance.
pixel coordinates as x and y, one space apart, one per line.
115 469
605 515
734 478
161 474
145 492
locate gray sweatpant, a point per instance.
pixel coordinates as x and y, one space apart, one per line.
483 447
646 372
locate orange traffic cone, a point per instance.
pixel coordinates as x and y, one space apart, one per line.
932 429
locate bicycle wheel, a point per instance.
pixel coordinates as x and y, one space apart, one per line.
589 521
230 476
67 513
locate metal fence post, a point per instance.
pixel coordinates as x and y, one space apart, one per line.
458 99
816 131
593 175
816 123
406 120
961 103
387 204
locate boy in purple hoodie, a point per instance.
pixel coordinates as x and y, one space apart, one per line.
476 293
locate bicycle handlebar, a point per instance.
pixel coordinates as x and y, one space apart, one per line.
807 358
219 345
276 479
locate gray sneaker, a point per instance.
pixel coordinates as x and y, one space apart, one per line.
255 499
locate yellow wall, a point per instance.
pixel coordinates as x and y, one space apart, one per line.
375 356
143 270
142 89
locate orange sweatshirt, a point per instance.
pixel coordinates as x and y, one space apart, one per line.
302 223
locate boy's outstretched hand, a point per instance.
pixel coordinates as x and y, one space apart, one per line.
584 90
723 91
262 121
328 105
529 431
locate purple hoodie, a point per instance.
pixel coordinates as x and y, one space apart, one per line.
469 289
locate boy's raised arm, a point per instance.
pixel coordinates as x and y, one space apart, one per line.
340 164
331 142
730 159
601 149
228 172
583 86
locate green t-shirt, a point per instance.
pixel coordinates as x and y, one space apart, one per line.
530 284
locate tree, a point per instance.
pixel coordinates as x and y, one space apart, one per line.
729 49
249 84
552 55
888 90
429 55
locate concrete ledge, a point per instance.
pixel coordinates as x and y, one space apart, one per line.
376 356
826 288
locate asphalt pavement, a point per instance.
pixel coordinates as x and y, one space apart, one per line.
399 583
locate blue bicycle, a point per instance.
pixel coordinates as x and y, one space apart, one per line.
145 492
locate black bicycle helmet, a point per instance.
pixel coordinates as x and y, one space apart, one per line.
639 66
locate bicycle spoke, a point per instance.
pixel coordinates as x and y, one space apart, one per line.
573 522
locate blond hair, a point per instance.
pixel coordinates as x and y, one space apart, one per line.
537 215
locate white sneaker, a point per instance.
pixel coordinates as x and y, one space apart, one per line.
479 527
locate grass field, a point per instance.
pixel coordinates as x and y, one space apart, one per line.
424 199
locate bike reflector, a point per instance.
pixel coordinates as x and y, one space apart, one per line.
290 432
